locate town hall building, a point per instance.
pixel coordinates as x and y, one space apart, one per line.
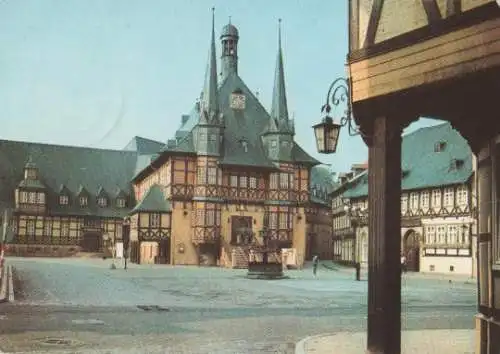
232 177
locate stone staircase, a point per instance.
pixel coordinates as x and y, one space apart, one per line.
239 257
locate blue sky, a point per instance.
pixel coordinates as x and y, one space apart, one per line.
98 72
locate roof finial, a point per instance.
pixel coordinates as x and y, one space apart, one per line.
213 18
229 19
279 32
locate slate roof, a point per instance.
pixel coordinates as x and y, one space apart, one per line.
144 146
422 166
247 125
71 169
153 201
321 185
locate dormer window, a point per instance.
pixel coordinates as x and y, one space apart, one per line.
120 202
30 173
63 200
456 164
440 146
83 201
244 145
102 202
32 197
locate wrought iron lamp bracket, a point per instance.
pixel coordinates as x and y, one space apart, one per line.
339 94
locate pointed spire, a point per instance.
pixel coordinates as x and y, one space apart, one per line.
209 97
279 108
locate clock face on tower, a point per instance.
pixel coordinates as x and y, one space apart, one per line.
237 101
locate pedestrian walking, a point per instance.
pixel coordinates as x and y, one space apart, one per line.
315 264
403 263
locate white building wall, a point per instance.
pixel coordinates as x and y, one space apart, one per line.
436 264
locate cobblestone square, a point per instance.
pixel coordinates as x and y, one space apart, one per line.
202 310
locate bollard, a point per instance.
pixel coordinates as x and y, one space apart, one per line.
358 271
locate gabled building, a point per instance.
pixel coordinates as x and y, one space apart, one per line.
438 225
233 170
63 199
231 177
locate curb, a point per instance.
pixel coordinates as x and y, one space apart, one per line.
300 347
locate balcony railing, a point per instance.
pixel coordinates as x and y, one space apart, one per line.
230 193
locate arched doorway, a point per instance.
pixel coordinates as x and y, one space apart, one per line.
411 250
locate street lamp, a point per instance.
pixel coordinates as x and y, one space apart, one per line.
327 132
356 214
126 238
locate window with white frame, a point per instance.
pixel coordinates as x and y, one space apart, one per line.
414 200
436 198
452 234
273 221
201 177
83 201
63 199
283 221
65 229
155 220
404 202
462 196
273 181
464 235
233 181
243 182
30 229
102 201
441 235
40 198
120 202
448 199
212 175
210 217
284 181
430 235
252 181
47 229
424 200
23 197
32 197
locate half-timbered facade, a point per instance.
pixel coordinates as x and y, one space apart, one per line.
318 215
63 199
150 228
233 174
438 229
433 59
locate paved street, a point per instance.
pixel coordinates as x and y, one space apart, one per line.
79 305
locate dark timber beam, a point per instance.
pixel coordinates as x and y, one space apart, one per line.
432 10
453 7
373 21
384 225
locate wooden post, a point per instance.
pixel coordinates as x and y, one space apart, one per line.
384 269
5 225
